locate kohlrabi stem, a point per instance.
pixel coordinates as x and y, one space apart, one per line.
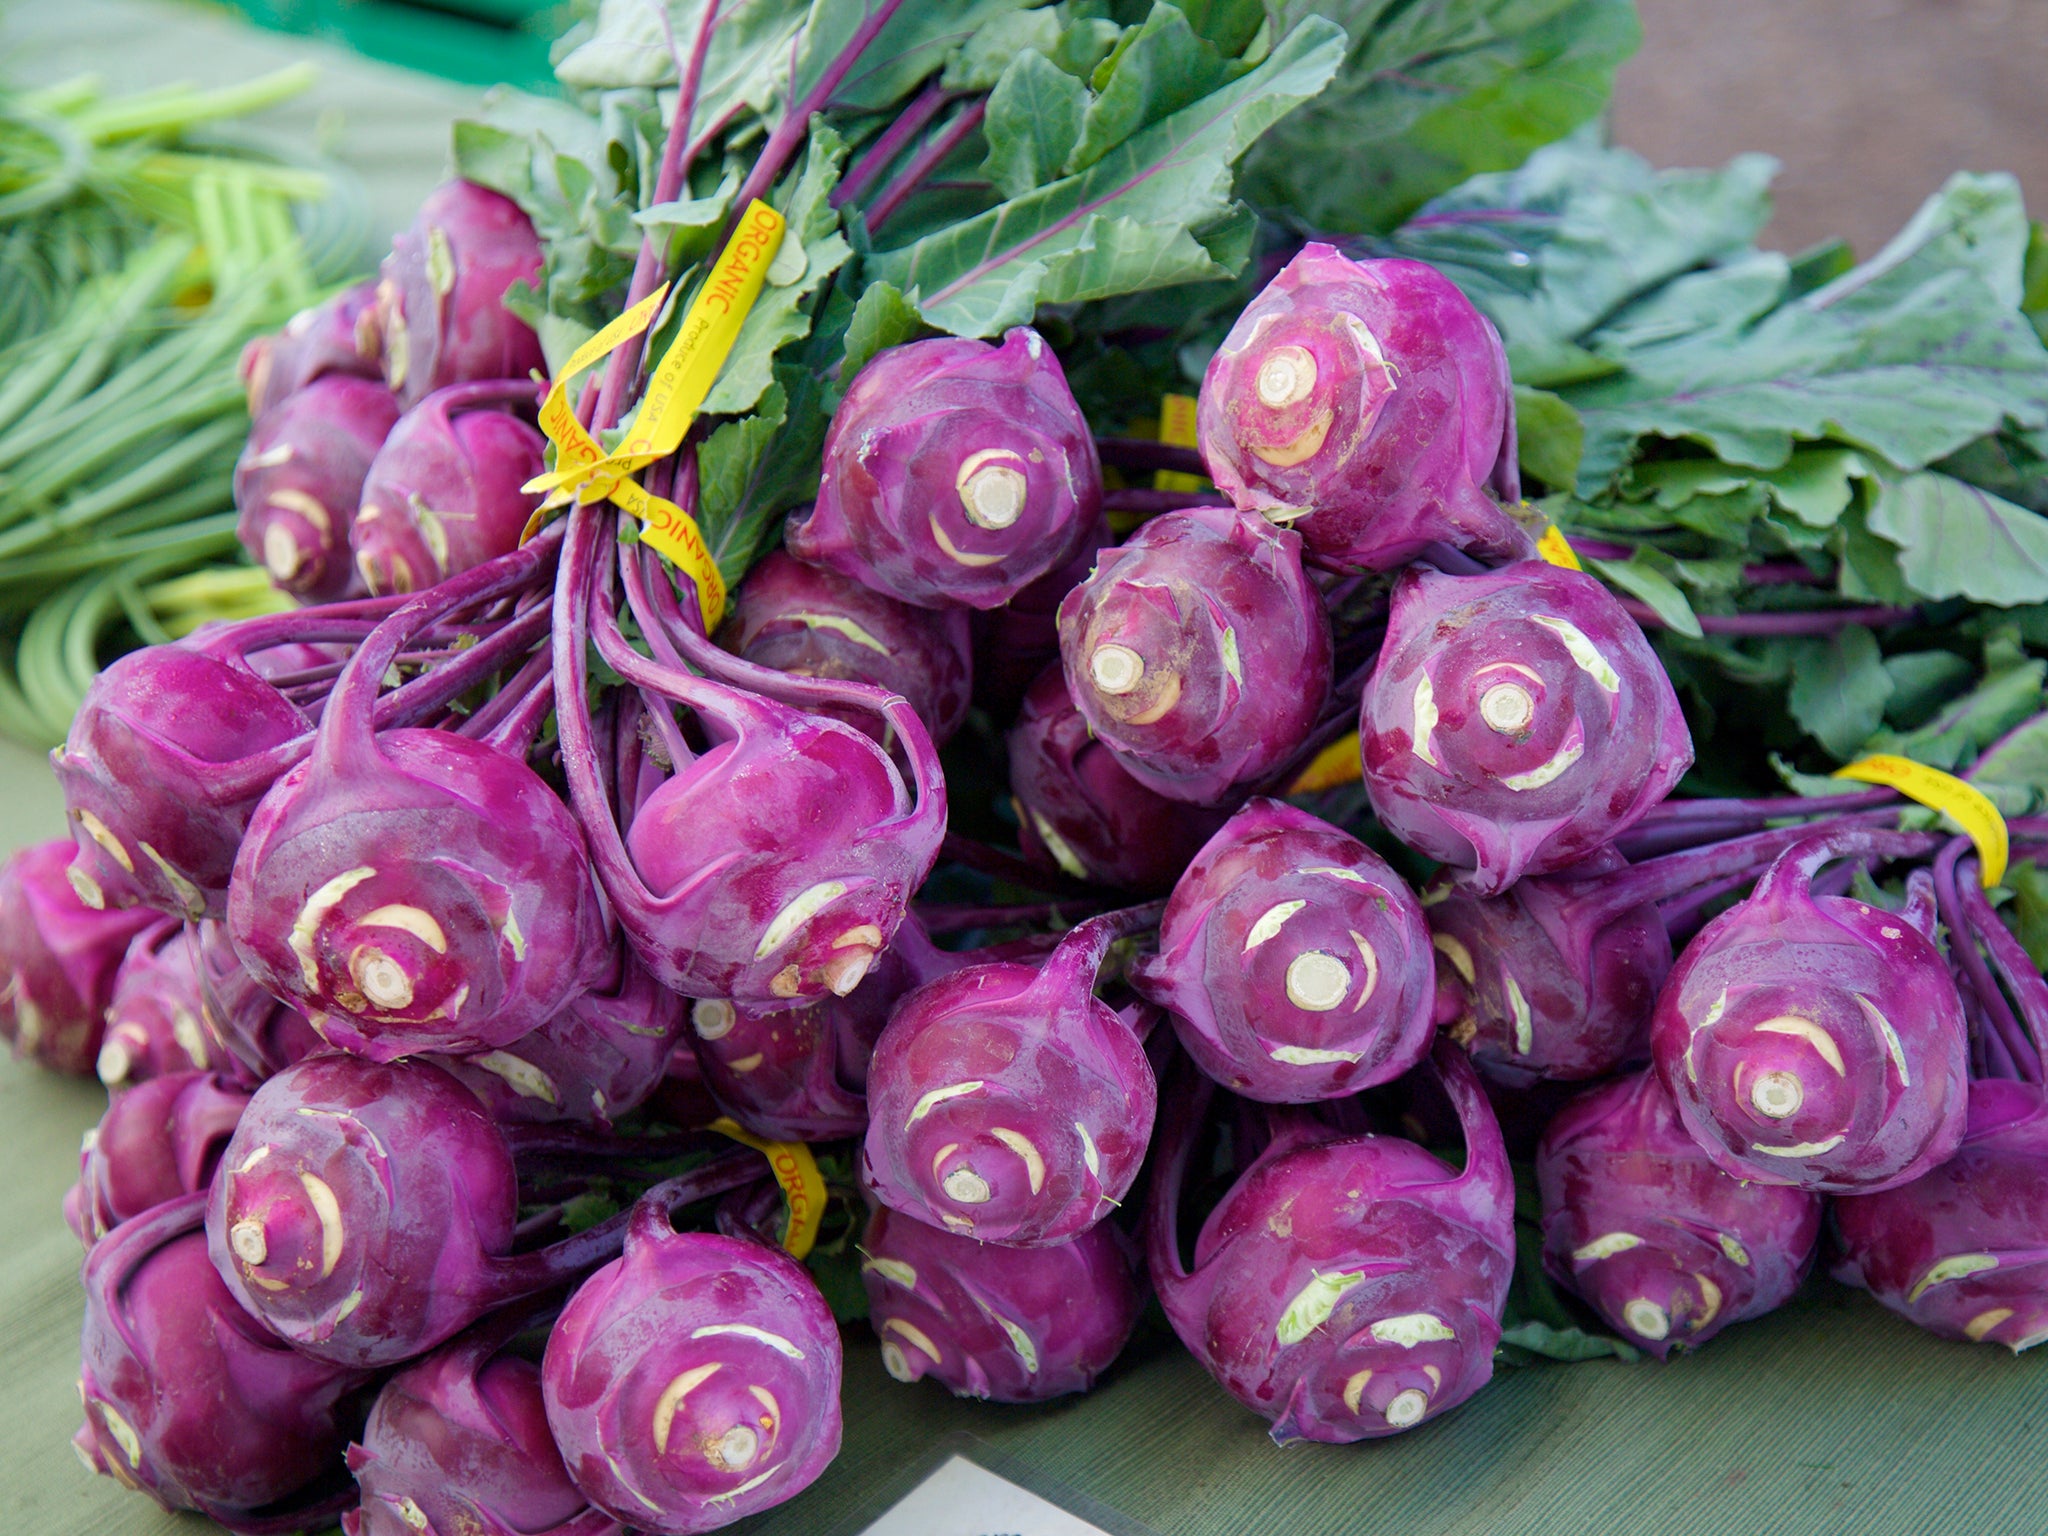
1144 454
923 163
1007 866
1183 1105
890 143
1679 824
509 719
2011 1036
942 918
2009 958
796 120
1818 621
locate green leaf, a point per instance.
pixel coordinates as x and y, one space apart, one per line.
917 41
1567 1344
1230 24
1433 93
1156 70
978 63
1637 577
746 66
780 315
752 470
2016 763
2010 692
1548 437
883 318
1123 224
1033 122
1839 689
1911 356
1956 540
1923 681
2029 884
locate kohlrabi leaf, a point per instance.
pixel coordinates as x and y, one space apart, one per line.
916 42
2013 770
1548 437
752 470
1157 69
1960 729
629 44
1839 689
1911 356
1639 579
1034 120
1957 540
1132 220
2029 884
1432 94
882 318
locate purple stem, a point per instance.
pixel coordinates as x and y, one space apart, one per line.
2010 1038
1682 915
1150 503
1144 454
1820 621
923 163
1008 866
963 919
881 154
1769 573
2009 957
1678 824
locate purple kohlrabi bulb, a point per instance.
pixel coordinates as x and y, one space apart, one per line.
1346 1287
459 1444
811 621
337 338
166 760
299 481
441 317
1080 811
1007 1102
1367 404
157 1141
191 1400
1199 650
1816 1041
956 473
695 1380
1963 1250
251 1035
443 494
59 955
1293 962
1016 1325
800 1073
156 1015
1665 1246
1516 721
598 1059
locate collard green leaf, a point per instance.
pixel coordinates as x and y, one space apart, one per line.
1033 122
1839 689
1157 69
1958 540
1434 93
1124 224
1548 437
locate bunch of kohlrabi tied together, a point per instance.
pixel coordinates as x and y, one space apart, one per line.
454 947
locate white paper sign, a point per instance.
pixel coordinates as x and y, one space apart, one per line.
963 1499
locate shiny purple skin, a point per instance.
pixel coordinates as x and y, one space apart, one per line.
416 891
1541 993
1368 406
1294 963
956 473
800 1074
153 778
250 1034
187 1397
1080 812
1962 1251
360 1208
1012 1325
1007 1102
461 1441
443 494
811 621
159 1140
1666 1247
59 957
156 1015
1199 651
334 339
1347 1287
1516 721
300 480
781 861
599 1059
1814 1041
440 314
695 1380
1014 644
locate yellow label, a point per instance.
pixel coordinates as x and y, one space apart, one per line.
1963 804
1177 427
803 1187
1340 762
575 447
675 534
1557 549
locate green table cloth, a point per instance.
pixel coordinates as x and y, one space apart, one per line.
1831 1416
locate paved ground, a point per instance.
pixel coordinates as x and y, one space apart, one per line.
1869 103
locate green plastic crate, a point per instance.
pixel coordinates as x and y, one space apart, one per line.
479 42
